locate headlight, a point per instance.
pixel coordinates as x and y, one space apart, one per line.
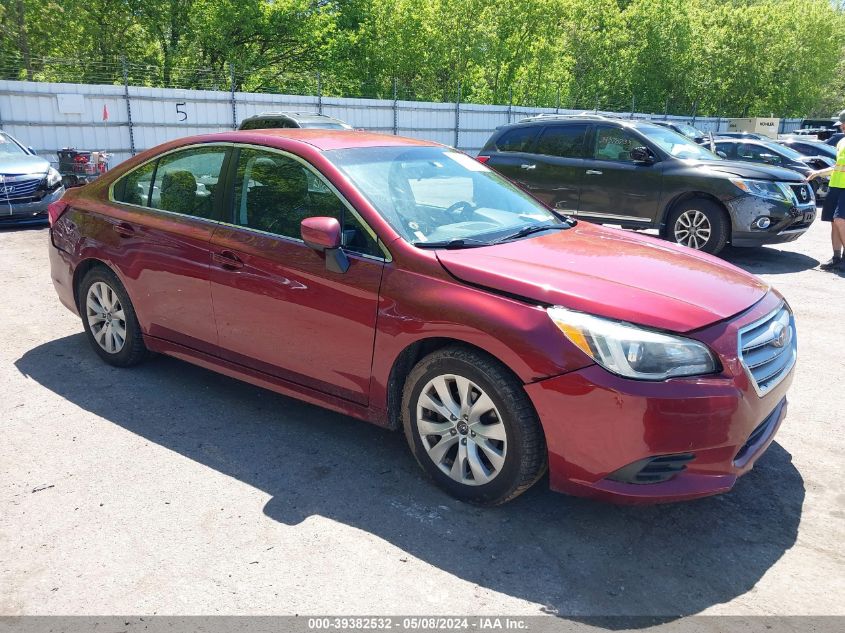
764 189
631 351
53 178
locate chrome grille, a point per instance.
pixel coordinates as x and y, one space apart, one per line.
804 193
768 349
11 187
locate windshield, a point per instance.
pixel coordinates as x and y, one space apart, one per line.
8 146
433 194
783 150
675 144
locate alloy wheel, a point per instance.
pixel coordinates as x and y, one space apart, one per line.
105 317
692 228
461 429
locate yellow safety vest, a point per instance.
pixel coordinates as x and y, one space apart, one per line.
837 178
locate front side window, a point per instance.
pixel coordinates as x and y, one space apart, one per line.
274 193
433 194
186 181
759 154
613 143
565 141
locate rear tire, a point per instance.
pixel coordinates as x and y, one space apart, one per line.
471 427
699 224
109 319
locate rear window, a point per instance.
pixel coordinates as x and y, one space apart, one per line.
517 140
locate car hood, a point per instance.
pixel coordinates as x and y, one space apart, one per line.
23 164
612 273
748 170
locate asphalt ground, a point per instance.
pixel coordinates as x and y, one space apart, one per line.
169 489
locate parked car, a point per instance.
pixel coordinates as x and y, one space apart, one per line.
771 153
834 139
687 130
274 120
642 176
808 147
402 282
747 135
28 184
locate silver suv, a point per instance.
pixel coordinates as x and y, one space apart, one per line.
28 184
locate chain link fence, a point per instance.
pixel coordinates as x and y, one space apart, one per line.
124 107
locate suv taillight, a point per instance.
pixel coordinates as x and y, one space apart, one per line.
482 159
55 211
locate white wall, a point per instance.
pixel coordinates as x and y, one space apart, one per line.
30 111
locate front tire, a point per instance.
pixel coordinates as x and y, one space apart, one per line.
109 319
699 224
471 426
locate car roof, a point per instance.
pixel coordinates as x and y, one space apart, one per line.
318 138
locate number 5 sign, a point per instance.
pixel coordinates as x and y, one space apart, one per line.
180 110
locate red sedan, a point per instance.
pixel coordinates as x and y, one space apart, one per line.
403 283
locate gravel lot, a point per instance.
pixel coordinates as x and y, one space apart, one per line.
169 489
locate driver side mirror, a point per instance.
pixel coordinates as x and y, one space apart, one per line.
31 151
642 155
324 236
721 154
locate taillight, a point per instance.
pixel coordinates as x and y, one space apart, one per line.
482 159
55 210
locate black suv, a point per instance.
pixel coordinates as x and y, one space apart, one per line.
640 175
275 120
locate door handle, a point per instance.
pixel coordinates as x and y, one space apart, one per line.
528 166
594 172
123 229
227 260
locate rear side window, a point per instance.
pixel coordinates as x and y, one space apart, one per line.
186 181
517 140
134 187
565 141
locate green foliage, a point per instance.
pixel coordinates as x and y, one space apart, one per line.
725 57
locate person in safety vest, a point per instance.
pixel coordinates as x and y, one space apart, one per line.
834 205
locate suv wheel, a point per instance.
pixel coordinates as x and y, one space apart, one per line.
471 426
698 224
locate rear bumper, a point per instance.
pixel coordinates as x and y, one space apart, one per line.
61 274
28 212
599 427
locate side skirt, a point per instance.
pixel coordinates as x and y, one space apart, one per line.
266 381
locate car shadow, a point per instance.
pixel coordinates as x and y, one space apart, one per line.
11 226
767 260
576 558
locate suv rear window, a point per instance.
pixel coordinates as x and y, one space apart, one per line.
517 140
566 141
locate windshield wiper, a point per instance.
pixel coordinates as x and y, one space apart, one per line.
460 242
528 230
